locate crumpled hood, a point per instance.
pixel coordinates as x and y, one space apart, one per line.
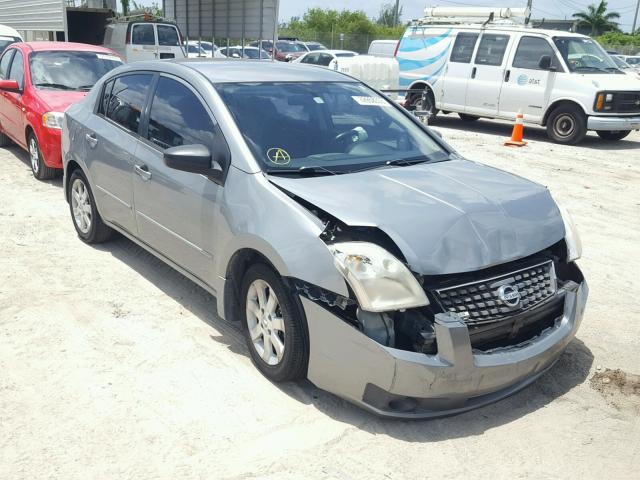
59 100
447 217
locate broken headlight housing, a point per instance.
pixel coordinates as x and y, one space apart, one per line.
379 280
571 236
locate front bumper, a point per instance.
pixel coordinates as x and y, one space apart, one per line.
50 146
613 123
399 383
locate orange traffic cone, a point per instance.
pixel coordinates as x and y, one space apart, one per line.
518 132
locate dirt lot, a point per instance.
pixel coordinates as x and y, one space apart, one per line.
114 366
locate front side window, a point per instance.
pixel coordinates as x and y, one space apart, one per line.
143 34
463 47
328 126
168 36
5 62
127 98
583 55
68 70
530 51
6 41
325 59
311 58
17 69
177 117
491 49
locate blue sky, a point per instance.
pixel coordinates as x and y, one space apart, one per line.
414 8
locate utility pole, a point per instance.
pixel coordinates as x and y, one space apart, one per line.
635 18
397 11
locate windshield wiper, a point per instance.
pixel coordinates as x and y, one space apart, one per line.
407 161
304 171
59 86
85 87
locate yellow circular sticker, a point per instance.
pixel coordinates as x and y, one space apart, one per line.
279 156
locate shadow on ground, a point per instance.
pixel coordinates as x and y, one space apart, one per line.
23 156
571 369
533 133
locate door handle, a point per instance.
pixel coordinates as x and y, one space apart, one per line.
473 72
507 75
91 139
143 171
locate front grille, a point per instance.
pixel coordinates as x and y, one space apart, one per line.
626 102
480 301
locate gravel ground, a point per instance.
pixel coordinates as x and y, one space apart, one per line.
115 366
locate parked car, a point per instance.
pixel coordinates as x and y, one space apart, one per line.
141 40
383 48
324 57
625 67
313 46
287 51
8 36
38 81
197 50
633 60
352 244
238 51
211 48
564 81
264 44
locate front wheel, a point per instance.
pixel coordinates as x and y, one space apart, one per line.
612 135
426 103
40 170
273 326
567 124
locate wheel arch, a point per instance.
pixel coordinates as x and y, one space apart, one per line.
72 166
559 103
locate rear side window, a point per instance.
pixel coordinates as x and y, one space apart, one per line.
126 100
177 117
325 59
168 36
312 58
143 35
463 47
17 69
491 49
530 51
4 64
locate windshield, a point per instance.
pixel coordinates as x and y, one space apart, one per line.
583 55
346 54
315 46
6 41
253 53
65 70
330 127
208 46
290 47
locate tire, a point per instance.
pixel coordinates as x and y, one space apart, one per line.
567 125
39 169
93 229
468 118
4 140
285 322
415 103
612 135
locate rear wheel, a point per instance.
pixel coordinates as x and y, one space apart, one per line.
40 170
84 213
567 124
467 117
612 135
426 103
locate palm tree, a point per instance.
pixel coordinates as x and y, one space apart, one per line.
598 18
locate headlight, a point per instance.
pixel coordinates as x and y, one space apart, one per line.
53 120
571 236
604 102
380 281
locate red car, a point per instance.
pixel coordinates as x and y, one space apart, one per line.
38 81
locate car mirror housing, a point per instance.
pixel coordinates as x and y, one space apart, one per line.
10 86
194 159
545 63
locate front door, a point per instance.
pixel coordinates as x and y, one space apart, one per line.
14 113
176 211
453 95
527 87
5 65
143 43
487 74
110 141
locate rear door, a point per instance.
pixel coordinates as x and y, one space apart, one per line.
111 138
143 44
458 73
527 87
487 74
169 42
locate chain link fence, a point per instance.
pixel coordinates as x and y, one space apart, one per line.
622 49
336 40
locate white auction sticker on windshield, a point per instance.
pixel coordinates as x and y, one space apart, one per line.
371 101
104 56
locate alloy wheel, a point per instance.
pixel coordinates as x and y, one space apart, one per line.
81 205
265 322
34 155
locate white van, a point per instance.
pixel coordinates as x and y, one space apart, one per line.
144 40
564 81
8 36
383 48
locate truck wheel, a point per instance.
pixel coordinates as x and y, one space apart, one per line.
40 170
567 124
273 326
415 103
468 118
84 212
612 135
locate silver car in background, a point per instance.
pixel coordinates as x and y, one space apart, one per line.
354 246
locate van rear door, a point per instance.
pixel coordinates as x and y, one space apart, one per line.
454 85
141 45
169 45
487 74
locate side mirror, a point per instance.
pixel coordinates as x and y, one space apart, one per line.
545 63
10 86
194 159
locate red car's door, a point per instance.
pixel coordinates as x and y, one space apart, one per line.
13 107
5 64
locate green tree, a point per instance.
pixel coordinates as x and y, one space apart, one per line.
125 7
387 16
598 19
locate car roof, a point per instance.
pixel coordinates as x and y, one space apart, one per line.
63 46
237 71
